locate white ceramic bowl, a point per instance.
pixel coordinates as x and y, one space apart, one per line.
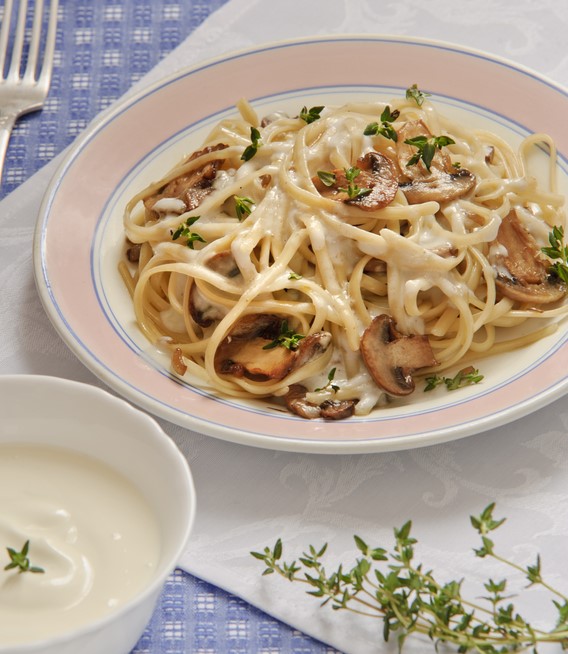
57 412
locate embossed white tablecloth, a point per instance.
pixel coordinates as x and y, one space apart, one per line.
248 497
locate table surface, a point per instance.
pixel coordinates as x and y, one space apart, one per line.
102 49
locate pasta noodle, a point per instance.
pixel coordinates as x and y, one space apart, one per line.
326 258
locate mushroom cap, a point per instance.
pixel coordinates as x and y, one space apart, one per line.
377 173
297 403
442 183
439 187
191 187
392 357
244 352
521 273
204 312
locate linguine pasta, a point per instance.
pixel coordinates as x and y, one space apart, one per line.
329 258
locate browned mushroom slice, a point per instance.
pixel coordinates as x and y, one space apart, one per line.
203 312
192 187
521 274
178 364
441 183
224 263
296 402
243 353
330 409
377 173
375 266
133 251
440 187
392 357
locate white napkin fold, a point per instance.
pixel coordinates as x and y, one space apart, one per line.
248 497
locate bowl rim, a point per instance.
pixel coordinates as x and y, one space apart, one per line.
155 434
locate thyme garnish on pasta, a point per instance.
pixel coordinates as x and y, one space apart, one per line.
311 115
252 149
384 128
464 377
427 148
414 93
183 230
558 252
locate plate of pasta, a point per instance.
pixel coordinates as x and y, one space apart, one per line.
320 258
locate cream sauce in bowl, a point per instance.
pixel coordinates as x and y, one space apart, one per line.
89 528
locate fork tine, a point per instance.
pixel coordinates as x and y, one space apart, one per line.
4 33
35 38
18 45
46 69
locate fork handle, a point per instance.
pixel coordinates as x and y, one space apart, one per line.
7 121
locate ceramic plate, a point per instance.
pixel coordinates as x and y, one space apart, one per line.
79 233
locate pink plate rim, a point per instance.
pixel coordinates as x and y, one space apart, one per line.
67 255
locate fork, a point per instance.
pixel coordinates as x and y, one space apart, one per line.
24 89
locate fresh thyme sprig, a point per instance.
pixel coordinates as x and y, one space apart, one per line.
183 230
255 143
287 338
20 560
464 377
352 189
414 93
427 147
311 115
407 597
384 128
330 378
558 252
243 207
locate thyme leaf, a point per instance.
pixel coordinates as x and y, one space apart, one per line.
427 148
387 584
558 252
252 149
287 338
20 560
184 230
243 207
384 128
311 115
464 377
352 189
330 377
414 93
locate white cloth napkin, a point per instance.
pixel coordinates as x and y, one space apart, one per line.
247 497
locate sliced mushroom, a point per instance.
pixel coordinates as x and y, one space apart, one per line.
204 312
270 118
521 274
296 402
375 266
441 183
329 409
133 251
378 173
190 188
224 263
243 353
440 187
178 364
392 357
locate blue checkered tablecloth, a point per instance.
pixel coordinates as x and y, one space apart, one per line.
103 47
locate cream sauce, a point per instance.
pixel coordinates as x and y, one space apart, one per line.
89 528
